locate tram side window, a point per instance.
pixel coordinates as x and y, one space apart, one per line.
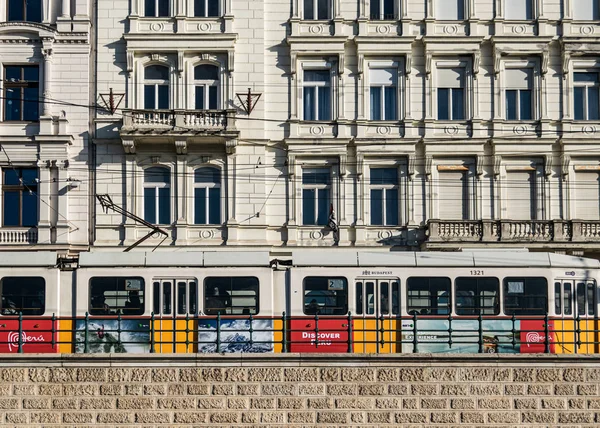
325 295
586 298
525 296
117 296
476 296
428 295
231 295
26 295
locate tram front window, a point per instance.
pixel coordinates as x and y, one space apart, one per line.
325 296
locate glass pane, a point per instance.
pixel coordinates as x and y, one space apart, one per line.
585 77
375 9
12 73
30 209
585 10
167 297
308 206
150 205
390 103
26 295
181 298
567 299
579 102
395 298
309 11
200 205
310 107
557 300
316 176
324 103
199 97
11 209
317 76
581 298
116 295
206 72
384 298
16 11
359 298
323 6
384 176
511 105
460 7
212 97
323 208
149 97
12 104
458 104
214 206
31 104
391 207
29 176
157 175
156 298
163 7
156 72
591 300
231 295
525 296
31 74
34 10
213 7
593 101
376 204
163 97
193 297
149 8
443 103
164 205
12 177
477 296
388 9
199 9
376 103
325 296
370 295
207 175
525 105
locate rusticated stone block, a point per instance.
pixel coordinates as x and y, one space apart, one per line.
341 389
379 417
592 375
471 418
5 389
444 417
574 375
135 403
111 389
118 375
36 403
225 418
211 403
63 375
410 403
575 418
388 375
190 417
152 418
278 389
588 389
371 389
211 375
479 390
23 389
485 374
65 403
250 417
357 418
576 403
387 403
539 389
399 389
538 417
434 403
593 403
155 389
524 375
358 375
554 403
78 418
176 403
548 375
189 375
115 418
49 389
81 390
515 389
17 418
9 403
319 403
332 417
272 417
411 418
412 375
237 403
140 375
301 417
564 390
526 403
290 403
197 389
503 417
44 418
300 374
91 375
269 374
330 374
262 403
424 389
494 403
235 375
462 403
223 389
39 375
248 389
434 374
97 403
13 375
164 375
134 389
354 403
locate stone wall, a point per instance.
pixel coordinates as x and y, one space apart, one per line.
299 390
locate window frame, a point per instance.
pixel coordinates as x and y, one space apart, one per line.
230 305
534 11
430 308
462 66
39 311
465 9
21 85
206 9
381 16
316 187
24 10
317 85
586 87
478 310
207 185
517 310
157 9
335 312
395 84
142 295
595 12
207 84
530 89
156 186
384 187
315 10
156 83
21 188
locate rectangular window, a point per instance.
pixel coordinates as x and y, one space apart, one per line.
568 298
428 295
586 188
525 296
453 195
518 10
231 295
450 10
384 196
25 295
20 199
585 10
557 300
156 8
586 298
476 296
25 10
522 194
206 8
316 10
382 10
316 187
586 97
156 97
116 296
451 94
384 93
21 93
519 102
317 95
325 295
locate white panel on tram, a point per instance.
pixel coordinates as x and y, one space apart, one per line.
505 258
387 259
28 259
321 258
192 258
237 258
560 260
444 259
112 259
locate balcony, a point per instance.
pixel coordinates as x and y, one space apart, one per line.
513 231
178 122
18 236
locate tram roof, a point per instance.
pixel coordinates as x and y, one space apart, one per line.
175 259
446 259
28 258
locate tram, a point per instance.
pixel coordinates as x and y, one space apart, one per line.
309 301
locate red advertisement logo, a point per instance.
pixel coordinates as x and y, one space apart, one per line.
36 336
331 336
533 336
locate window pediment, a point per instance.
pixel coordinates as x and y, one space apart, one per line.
26 30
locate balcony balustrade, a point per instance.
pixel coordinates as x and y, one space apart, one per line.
18 236
178 121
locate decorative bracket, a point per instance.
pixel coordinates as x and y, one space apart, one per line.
360 163
565 164
230 146
411 161
291 165
181 147
250 102
428 165
343 165
130 62
128 146
428 61
497 165
476 63
479 166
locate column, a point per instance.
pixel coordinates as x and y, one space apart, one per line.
231 192
44 188
181 193
81 20
66 9
46 127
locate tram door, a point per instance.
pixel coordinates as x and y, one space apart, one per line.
576 299
174 300
377 305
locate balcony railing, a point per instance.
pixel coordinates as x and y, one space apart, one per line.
513 230
179 121
12 236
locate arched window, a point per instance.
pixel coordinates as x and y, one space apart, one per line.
156 87
206 81
157 195
207 196
206 8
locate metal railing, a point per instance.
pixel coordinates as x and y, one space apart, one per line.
344 333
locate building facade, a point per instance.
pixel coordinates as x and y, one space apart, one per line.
413 124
